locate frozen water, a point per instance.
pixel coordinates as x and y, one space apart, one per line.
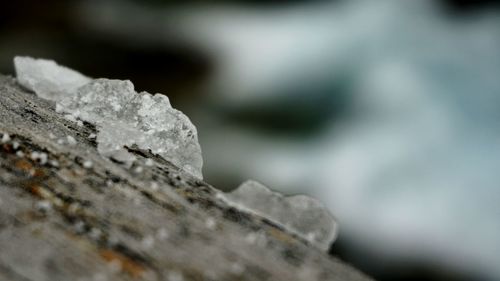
123 116
300 214
46 78
127 118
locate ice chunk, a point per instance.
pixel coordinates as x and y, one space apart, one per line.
303 215
46 78
127 118
122 116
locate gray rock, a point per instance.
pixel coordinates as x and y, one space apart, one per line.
62 218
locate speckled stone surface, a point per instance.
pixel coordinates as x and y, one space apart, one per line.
67 213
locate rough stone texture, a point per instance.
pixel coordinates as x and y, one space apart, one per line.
85 217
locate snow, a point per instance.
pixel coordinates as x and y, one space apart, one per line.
300 214
123 117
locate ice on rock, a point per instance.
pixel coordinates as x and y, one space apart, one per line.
46 78
122 116
125 118
303 215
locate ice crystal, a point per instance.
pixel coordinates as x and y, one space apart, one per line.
300 214
123 117
127 118
46 78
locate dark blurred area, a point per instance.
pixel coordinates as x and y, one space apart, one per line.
54 30
236 69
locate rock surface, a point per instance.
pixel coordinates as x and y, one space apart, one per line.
68 213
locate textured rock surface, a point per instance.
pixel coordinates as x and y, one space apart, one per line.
68 213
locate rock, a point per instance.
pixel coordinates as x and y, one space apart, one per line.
64 219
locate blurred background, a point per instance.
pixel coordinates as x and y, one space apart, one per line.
387 111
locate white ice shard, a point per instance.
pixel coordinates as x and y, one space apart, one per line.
46 78
125 118
122 116
302 215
